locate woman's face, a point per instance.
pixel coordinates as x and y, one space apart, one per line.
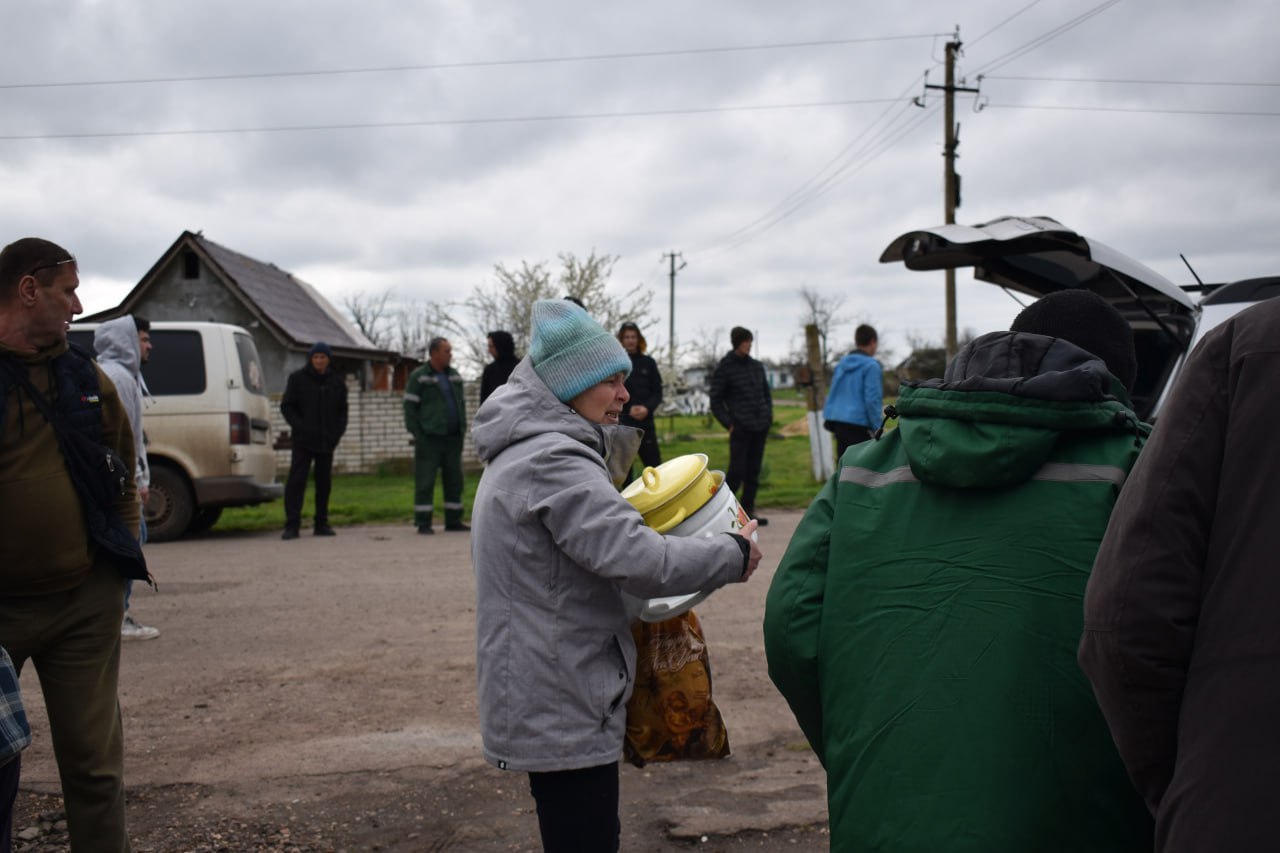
603 402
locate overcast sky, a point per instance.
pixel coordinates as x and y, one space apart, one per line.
772 144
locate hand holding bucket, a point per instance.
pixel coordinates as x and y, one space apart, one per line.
681 497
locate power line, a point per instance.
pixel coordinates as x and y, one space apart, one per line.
435 122
1045 37
1002 23
870 153
1258 113
1135 82
806 188
447 66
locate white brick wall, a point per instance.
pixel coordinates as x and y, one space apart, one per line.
375 431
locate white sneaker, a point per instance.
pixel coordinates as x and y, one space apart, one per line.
131 630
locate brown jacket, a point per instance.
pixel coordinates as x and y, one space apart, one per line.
45 545
1182 611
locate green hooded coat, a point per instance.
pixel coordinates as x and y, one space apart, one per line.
923 623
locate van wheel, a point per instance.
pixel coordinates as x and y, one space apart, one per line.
169 506
204 519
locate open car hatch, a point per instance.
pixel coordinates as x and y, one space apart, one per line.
1038 255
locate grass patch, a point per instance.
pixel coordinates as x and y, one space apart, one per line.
387 497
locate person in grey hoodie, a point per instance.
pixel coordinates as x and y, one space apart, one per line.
554 546
122 345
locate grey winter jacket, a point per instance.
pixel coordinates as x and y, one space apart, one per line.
120 357
553 545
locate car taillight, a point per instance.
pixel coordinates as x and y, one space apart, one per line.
239 428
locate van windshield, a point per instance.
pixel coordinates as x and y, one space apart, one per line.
250 365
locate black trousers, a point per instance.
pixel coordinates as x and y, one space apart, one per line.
9 774
578 809
295 488
648 454
847 435
746 453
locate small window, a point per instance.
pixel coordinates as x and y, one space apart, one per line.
177 364
250 365
190 266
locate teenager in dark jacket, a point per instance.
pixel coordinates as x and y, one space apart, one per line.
502 348
315 405
742 402
1180 637
645 387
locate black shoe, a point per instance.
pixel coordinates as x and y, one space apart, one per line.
425 529
289 533
458 526
325 530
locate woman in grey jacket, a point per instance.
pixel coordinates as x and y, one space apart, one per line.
554 546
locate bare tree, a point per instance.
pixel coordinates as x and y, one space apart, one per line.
403 327
506 303
414 324
823 312
369 312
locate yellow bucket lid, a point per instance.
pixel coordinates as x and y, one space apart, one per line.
673 491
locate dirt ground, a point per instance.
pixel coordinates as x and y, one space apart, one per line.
319 695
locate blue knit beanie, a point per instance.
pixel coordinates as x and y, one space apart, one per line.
570 352
321 347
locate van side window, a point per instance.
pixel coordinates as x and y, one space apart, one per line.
176 365
250 365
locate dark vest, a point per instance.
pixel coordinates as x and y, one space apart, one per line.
78 391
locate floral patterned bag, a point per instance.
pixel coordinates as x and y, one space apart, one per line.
671 715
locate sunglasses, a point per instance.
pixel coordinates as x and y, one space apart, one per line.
52 265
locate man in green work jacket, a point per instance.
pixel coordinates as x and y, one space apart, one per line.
923 623
435 413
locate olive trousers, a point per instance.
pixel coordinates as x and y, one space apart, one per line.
432 454
73 638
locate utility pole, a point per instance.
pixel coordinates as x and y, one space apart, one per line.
671 351
951 181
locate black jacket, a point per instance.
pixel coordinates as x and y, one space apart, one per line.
497 372
740 395
315 405
645 387
1180 636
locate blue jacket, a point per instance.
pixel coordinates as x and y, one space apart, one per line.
856 395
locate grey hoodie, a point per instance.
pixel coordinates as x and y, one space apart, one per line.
553 545
120 357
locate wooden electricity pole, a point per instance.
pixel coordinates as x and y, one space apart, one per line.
950 181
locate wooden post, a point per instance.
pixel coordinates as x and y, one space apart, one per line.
820 451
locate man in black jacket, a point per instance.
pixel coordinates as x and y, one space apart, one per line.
742 402
645 387
315 405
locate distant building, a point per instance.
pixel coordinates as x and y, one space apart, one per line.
197 279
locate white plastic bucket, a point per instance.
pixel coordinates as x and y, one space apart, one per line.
721 514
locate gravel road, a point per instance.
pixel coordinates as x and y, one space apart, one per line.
319 695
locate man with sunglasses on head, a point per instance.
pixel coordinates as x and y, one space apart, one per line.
71 527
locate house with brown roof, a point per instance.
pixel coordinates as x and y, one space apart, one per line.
198 279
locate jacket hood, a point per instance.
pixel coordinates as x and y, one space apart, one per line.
525 407
1006 400
117 340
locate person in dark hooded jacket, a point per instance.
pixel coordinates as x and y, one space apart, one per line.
502 348
315 405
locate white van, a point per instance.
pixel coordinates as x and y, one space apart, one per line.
208 424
